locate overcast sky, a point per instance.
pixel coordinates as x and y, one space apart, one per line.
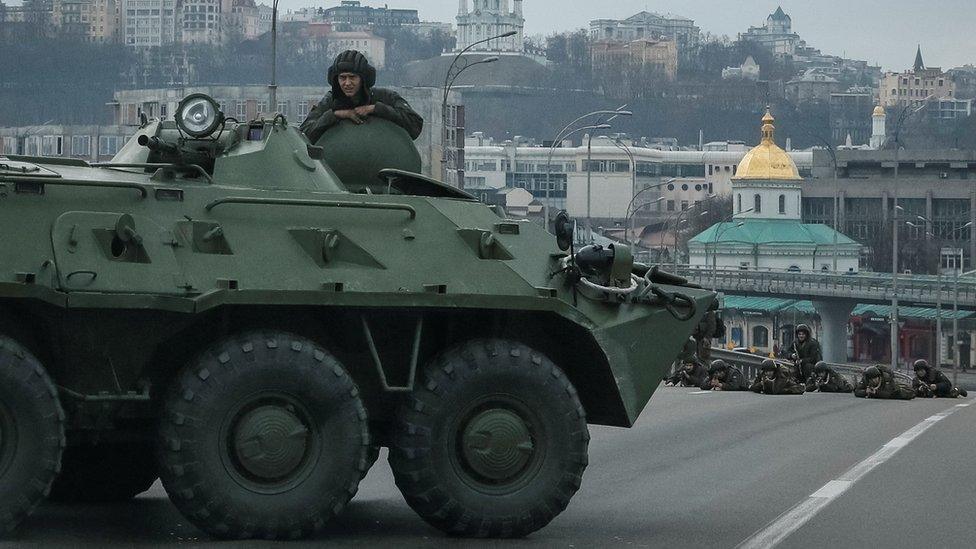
884 32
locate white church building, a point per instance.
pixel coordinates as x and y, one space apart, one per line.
765 230
488 18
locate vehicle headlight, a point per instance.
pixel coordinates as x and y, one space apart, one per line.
198 115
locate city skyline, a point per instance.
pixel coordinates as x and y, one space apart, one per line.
950 46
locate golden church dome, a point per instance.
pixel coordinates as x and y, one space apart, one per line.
878 111
766 160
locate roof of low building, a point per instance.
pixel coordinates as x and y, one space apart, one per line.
768 305
772 232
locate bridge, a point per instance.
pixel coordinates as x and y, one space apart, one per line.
834 295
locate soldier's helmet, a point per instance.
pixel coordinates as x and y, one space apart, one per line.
820 367
802 328
768 365
921 365
872 373
717 366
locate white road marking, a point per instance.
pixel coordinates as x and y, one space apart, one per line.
784 525
700 393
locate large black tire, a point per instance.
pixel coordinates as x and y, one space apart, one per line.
31 433
264 436
105 473
492 443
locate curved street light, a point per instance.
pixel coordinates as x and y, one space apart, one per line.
552 149
449 82
562 134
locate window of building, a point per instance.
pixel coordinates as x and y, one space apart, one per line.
684 205
782 203
736 332
670 205
738 203
262 107
242 111
757 203
108 145
684 186
52 145
283 107
710 169
760 336
81 145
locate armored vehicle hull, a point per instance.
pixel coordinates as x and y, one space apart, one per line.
223 313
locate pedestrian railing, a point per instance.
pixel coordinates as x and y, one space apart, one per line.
864 287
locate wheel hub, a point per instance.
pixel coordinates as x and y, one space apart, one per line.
497 445
270 442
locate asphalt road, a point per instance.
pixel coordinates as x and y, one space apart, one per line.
698 470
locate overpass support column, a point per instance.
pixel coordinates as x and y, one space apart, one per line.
834 318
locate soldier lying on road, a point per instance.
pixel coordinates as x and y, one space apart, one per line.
826 380
879 382
931 382
724 377
690 372
776 379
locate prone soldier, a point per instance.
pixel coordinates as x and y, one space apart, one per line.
879 382
776 379
826 380
724 377
690 371
931 382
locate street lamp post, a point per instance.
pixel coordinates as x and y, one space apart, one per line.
955 309
552 149
273 86
562 134
448 82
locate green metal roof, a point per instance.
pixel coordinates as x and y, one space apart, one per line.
777 305
768 304
775 232
920 313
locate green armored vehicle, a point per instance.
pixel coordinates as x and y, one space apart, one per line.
217 309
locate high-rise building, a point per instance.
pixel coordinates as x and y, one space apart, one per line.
149 22
489 18
105 21
916 86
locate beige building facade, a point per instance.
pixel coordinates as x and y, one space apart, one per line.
916 86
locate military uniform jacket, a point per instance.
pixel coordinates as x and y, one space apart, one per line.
935 377
835 383
808 354
389 105
782 384
734 381
889 389
694 379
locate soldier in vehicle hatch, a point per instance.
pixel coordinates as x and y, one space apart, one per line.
879 382
776 379
806 353
354 98
826 380
724 377
931 382
690 371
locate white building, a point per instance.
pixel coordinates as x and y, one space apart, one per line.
687 176
149 22
489 18
776 35
646 25
372 46
748 70
765 230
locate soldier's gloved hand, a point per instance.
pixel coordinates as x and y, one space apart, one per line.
348 114
365 110
794 356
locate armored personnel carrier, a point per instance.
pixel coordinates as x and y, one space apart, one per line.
214 307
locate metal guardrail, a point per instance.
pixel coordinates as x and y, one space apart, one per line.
868 287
